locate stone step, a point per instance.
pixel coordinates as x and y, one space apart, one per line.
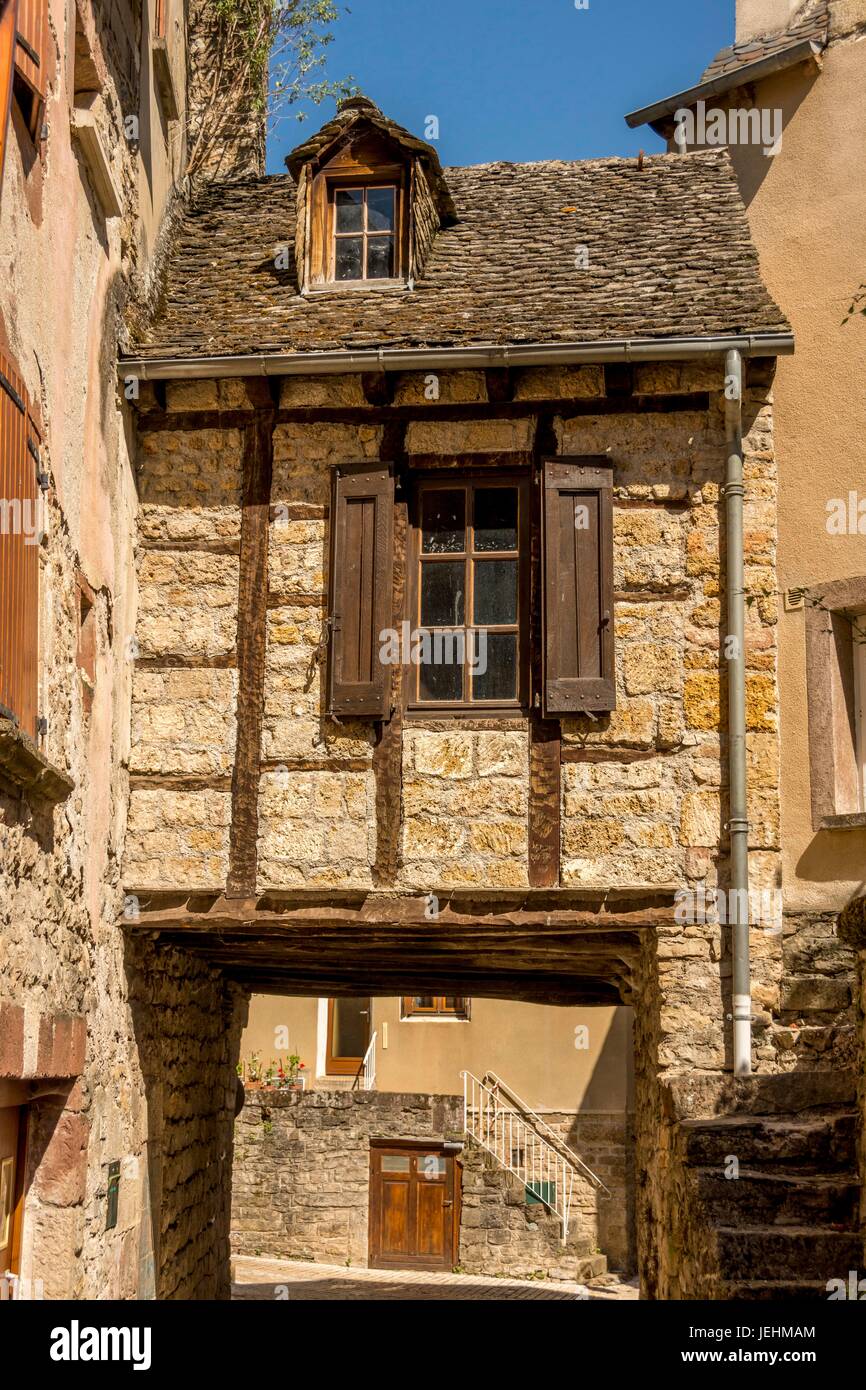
774 1290
796 1253
758 1198
696 1096
825 1139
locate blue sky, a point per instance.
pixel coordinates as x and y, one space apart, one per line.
519 79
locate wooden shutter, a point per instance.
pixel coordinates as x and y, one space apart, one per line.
8 18
578 586
31 45
19 554
361 589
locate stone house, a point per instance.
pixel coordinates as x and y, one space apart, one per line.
442 450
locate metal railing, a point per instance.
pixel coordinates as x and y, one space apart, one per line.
366 1075
520 1141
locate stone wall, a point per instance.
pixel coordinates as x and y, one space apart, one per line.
131 1050
643 790
301 1184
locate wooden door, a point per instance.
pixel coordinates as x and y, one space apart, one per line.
414 1207
348 1035
10 1161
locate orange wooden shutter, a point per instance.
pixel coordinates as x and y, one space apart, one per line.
19 553
8 19
361 589
578 586
31 44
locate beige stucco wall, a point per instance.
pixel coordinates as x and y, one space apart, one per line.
531 1046
807 210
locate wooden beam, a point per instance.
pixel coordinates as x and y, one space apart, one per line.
545 736
257 465
388 751
395 915
453 412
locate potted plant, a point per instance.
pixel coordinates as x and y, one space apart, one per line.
290 1077
251 1073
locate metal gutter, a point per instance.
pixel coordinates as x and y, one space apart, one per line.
735 653
419 359
727 82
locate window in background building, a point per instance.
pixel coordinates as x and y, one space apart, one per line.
435 1006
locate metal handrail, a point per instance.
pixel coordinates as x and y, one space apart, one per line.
368 1066
511 1136
531 1118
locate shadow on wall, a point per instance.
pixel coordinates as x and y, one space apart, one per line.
187 1020
606 1143
786 94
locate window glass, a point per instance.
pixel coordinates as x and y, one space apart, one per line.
443 521
495 592
380 209
350 209
495 518
469 604
396 1163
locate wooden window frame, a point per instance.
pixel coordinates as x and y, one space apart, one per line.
346 184
469 480
836 694
409 1012
343 1066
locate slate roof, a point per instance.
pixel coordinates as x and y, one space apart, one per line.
810 22
669 255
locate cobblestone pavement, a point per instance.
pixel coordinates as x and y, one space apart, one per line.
296 1279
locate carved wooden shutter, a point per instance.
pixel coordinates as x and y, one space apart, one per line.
578 586
361 589
20 515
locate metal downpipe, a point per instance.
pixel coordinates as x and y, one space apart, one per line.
735 653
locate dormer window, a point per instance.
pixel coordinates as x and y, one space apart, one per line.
370 201
365 226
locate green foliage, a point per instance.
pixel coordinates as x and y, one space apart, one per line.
269 55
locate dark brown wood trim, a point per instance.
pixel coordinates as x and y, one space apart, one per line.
180 421
205 547
166 781
315 764
511 459
487 916
251 644
178 662
506 722
388 751
544 811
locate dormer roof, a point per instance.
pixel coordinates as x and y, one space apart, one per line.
356 115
